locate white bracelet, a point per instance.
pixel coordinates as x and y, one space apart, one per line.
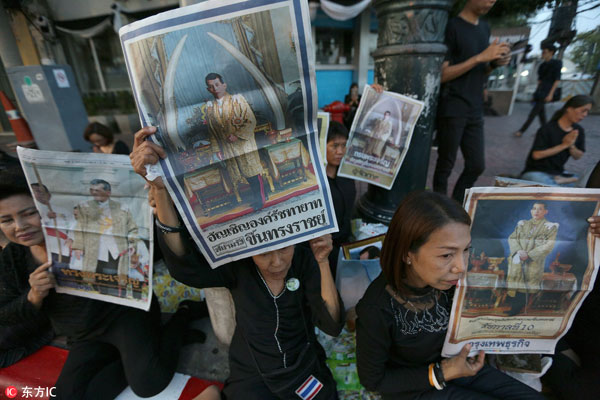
435 382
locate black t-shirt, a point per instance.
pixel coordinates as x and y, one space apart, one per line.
395 345
548 73
548 136
343 193
120 148
463 96
275 330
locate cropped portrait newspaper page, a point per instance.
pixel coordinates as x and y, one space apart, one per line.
231 88
379 137
533 262
97 224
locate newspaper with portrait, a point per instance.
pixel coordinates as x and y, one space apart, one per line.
230 86
380 137
97 224
532 263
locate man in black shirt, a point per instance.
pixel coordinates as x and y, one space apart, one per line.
548 79
469 60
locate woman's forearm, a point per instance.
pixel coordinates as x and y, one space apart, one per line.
329 292
539 154
575 152
166 214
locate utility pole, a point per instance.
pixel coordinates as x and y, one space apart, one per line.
563 19
408 60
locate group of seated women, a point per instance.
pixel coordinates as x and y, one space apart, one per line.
280 297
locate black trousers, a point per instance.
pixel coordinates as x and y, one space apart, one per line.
133 350
569 381
488 384
466 133
539 109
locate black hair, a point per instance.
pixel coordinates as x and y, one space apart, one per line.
417 217
336 130
102 182
373 251
212 76
99 129
574 102
549 46
13 183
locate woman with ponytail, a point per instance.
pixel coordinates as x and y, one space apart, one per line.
556 141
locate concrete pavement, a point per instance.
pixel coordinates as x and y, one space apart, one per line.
505 154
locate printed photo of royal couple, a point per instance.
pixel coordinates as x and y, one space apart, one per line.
380 137
97 227
530 257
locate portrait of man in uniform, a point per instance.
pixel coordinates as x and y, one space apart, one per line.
380 132
530 243
105 234
56 221
231 123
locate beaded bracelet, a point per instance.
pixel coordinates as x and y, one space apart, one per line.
168 229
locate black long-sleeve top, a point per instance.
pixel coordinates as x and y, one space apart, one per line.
395 345
272 328
343 193
75 317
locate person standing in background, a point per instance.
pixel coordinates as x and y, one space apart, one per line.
548 80
469 60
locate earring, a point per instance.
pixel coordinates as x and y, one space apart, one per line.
408 262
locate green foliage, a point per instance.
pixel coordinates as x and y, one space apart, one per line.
107 103
585 51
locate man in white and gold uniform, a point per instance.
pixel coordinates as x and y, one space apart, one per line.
380 133
231 124
530 243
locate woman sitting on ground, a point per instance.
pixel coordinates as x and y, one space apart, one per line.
103 140
403 316
556 141
279 297
110 346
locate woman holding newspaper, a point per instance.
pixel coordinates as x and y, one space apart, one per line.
279 296
110 346
403 316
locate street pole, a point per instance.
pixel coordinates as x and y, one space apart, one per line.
408 60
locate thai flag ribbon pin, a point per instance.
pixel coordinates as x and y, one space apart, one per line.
309 389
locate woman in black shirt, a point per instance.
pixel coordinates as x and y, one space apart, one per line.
103 140
110 346
556 141
279 297
403 316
